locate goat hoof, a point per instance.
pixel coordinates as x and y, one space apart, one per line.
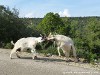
35 57
68 60
60 56
18 56
11 58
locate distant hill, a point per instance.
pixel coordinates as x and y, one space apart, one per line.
36 21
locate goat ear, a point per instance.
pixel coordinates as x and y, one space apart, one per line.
41 35
50 34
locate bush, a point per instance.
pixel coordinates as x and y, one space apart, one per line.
80 53
52 50
8 46
89 56
93 57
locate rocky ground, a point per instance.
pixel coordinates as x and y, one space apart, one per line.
52 65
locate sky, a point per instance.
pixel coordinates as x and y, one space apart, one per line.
68 8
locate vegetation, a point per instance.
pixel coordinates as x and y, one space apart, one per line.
85 31
51 23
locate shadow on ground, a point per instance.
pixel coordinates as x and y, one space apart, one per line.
46 59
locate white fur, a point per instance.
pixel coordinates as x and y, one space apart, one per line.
26 43
64 43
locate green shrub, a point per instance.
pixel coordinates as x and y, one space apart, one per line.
80 53
8 45
52 50
92 58
89 56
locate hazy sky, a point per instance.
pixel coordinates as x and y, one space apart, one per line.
38 8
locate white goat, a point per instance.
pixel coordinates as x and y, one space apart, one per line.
64 43
24 44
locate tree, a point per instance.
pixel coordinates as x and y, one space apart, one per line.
92 30
51 23
11 27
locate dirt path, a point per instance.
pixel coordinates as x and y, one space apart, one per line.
41 66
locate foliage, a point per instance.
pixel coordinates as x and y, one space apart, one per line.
11 26
51 23
50 50
89 56
8 45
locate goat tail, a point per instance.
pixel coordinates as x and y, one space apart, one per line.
12 43
74 51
